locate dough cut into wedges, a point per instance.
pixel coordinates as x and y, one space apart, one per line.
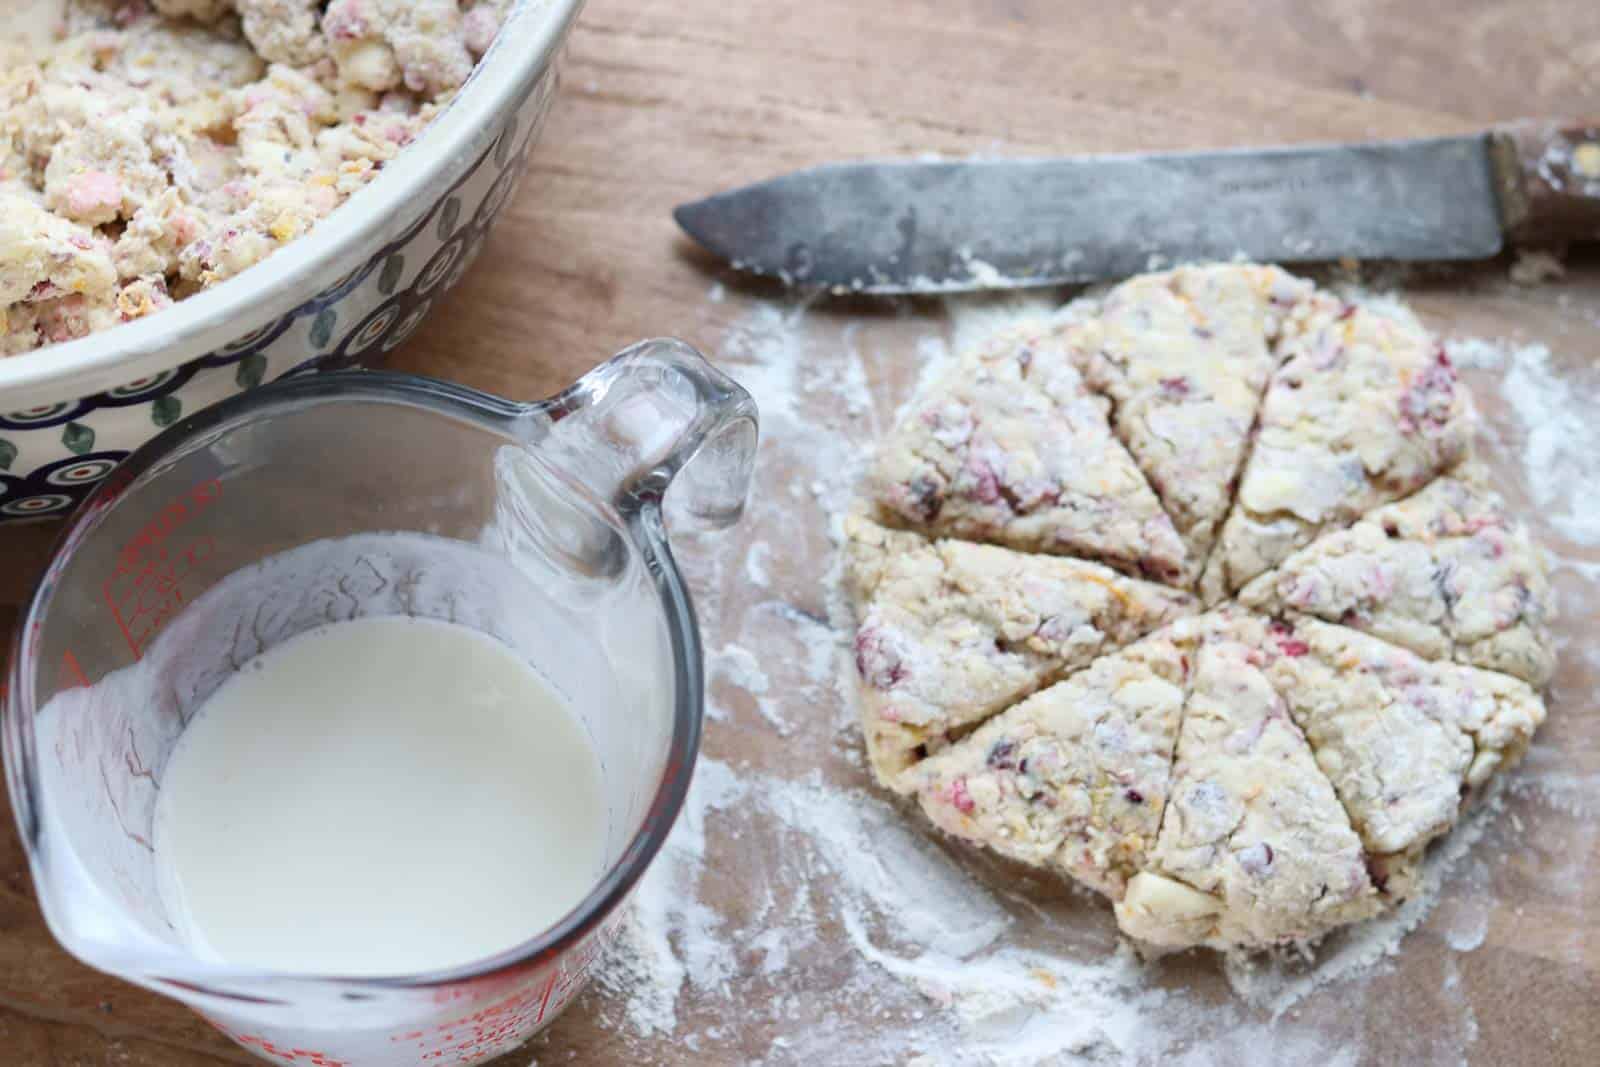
1364 410
1449 573
1245 779
1075 777
1012 448
1405 742
1185 356
951 632
1254 849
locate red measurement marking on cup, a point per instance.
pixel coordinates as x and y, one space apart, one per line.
494 1029
301 1057
71 676
508 1022
146 588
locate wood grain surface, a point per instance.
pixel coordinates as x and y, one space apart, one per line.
667 100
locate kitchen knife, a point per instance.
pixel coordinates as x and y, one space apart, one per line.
916 227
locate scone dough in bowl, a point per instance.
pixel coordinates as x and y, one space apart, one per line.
149 151
1029 564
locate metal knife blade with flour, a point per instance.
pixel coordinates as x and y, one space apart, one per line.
910 227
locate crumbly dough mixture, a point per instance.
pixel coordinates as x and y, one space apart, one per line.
152 148
1251 777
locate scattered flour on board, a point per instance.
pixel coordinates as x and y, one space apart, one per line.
756 563
923 956
911 913
1556 435
738 667
1366 945
1560 445
669 936
1476 353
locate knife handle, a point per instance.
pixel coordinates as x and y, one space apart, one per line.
1547 175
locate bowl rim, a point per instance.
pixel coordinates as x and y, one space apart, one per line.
523 51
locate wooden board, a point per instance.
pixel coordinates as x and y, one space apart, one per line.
666 100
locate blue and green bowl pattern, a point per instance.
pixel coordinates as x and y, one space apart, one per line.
52 456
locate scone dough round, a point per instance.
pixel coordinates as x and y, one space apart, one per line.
1030 564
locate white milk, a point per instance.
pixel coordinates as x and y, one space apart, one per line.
382 796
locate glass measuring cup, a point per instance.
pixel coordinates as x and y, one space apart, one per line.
352 495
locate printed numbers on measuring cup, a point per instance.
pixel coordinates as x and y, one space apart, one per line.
146 588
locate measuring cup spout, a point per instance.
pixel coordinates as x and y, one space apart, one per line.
655 415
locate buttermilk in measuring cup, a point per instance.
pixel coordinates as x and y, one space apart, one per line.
381 796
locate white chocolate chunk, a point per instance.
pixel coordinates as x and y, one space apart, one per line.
1166 913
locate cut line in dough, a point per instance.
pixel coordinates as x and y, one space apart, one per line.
1449 573
1364 410
1407 743
1012 448
951 632
1074 777
1245 779
1185 357
1251 823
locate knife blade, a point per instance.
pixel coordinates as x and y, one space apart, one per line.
918 227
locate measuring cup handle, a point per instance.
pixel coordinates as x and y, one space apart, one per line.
655 414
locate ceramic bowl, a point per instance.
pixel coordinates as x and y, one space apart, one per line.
342 296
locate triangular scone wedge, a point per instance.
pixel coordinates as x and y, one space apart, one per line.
1406 742
1012 448
951 632
1365 409
1449 573
1075 777
1254 850
1185 356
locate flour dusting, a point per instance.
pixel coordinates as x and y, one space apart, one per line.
738 668
1560 438
1278 985
757 564
670 935
799 916
1476 353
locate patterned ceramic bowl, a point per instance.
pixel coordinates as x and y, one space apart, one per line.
342 296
